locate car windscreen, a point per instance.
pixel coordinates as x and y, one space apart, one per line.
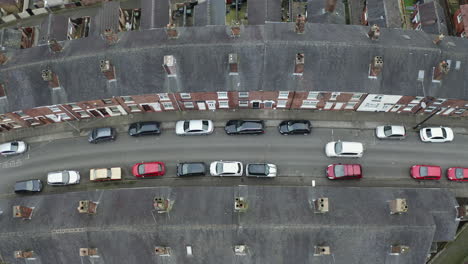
444 133
338 147
429 133
186 125
219 167
29 185
459 173
388 131
423 171
65 176
205 125
141 169
339 170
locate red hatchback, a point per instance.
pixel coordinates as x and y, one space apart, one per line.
457 174
426 172
149 169
344 171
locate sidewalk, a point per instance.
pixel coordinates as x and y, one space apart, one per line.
321 119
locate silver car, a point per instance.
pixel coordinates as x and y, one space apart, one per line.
194 127
226 168
66 177
390 132
13 148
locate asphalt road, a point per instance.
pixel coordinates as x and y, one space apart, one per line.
300 159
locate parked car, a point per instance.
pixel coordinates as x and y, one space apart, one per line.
105 174
102 134
191 169
390 132
194 127
29 186
344 149
226 168
294 127
457 174
13 148
149 169
436 134
144 128
243 127
344 171
66 177
426 172
261 170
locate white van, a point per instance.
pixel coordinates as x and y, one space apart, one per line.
344 149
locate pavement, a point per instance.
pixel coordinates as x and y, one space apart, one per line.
320 119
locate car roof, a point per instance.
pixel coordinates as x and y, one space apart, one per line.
103 131
55 176
195 124
352 146
398 130
436 131
258 168
231 167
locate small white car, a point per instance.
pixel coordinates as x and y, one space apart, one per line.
13 148
66 177
344 149
226 168
194 127
390 132
436 134
260 170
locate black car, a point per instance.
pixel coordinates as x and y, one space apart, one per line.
101 134
29 186
191 169
144 128
294 127
238 127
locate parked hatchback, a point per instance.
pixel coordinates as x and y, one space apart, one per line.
457 174
344 149
102 134
29 186
390 132
425 172
149 169
66 177
294 127
261 170
344 171
194 127
244 127
13 148
144 128
226 168
191 169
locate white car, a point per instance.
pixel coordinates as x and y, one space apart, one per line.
65 177
226 168
344 149
390 132
436 134
194 127
13 148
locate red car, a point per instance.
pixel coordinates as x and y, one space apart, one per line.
426 172
344 171
457 174
149 169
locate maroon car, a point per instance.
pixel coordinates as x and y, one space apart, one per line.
344 171
426 172
457 174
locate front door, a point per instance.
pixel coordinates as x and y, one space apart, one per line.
201 105
211 105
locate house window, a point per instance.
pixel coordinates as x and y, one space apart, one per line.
430 109
21 114
334 96
222 95
189 105
243 103
223 104
74 106
127 99
440 101
356 97
409 107
167 106
107 101
163 97
185 96
134 108
63 116
460 111
281 103
312 95
268 104
396 108
114 110
350 105
243 94
55 108
416 100
459 18
309 104
283 95
82 114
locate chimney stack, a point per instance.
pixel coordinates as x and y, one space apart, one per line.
110 36
321 250
88 252
300 24
375 67
441 70
162 251
3 58
162 205
233 64
299 64
24 254
240 250
171 31
24 212
398 206
235 30
398 249
374 32
330 5
54 45
87 207
51 77
240 205
107 69
321 205
170 66
438 39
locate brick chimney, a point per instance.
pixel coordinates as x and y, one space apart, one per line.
441 70
170 66
162 205
107 69
438 39
3 58
299 64
321 250
398 249
375 67
51 77
300 24
54 46
88 252
374 32
398 206
162 251
24 254
233 64
87 207
24 212
330 5
235 30
171 31
110 36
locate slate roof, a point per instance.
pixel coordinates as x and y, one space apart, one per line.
316 12
279 225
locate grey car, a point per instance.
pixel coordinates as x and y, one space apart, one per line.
102 134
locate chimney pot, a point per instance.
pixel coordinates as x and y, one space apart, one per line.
54 45
110 36
235 30
376 67
300 24
107 69
3 58
299 64
441 70
171 31
374 32
233 64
